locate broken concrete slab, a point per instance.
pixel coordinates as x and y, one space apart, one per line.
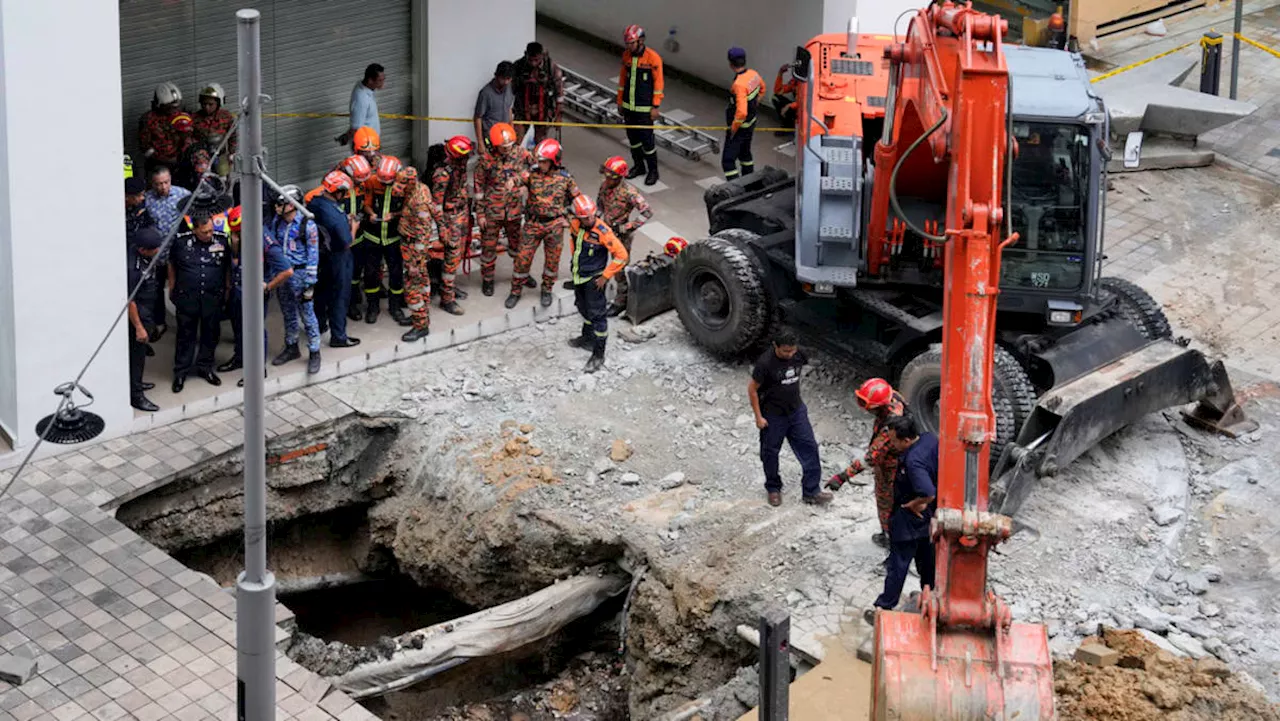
1095 654
1147 99
1161 642
1151 619
1187 644
1195 628
1165 515
15 669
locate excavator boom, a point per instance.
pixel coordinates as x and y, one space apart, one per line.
961 657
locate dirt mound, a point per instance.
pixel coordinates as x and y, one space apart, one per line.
1149 684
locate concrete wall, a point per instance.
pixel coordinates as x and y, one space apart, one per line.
61 211
768 30
465 42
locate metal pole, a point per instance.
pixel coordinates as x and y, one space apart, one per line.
255 587
1235 48
775 665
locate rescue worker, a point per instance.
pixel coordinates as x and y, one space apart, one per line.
617 201
639 99
213 123
183 126
453 217
538 85
143 247
499 206
878 398
915 489
301 244
740 115
198 266
415 245
136 215
784 95
781 415
234 309
358 169
156 135
551 190
366 142
597 256
330 207
381 232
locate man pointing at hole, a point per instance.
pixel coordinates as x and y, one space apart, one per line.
774 390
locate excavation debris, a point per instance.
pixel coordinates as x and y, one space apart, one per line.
1148 684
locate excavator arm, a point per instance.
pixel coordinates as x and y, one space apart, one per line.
947 142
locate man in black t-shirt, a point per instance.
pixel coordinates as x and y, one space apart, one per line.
781 415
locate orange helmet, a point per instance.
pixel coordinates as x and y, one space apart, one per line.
502 134
233 218
548 150
182 122
583 206
337 181
632 34
366 139
874 393
357 166
459 146
674 245
388 168
615 165
407 175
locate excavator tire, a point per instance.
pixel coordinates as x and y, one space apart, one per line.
720 294
1013 397
1139 308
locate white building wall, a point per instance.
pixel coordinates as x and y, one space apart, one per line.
465 42
62 247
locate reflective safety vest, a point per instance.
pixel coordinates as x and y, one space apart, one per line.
640 83
128 167
385 232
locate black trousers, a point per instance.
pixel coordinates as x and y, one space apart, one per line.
594 308
137 363
198 330
324 288
901 554
374 255
641 141
737 151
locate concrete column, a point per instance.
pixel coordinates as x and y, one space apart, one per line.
62 247
464 43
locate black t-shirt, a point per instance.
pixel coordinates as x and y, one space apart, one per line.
779 383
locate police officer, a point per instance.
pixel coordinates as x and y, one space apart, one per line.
198 264
301 243
740 115
144 245
639 99
136 216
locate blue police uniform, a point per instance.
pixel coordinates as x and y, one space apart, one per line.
148 290
301 245
337 296
917 477
273 264
200 284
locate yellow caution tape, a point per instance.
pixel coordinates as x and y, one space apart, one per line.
1140 63
1257 45
551 123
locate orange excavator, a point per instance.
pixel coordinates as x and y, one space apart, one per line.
961 656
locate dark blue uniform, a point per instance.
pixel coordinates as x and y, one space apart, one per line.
778 381
145 300
333 294
908 533
200 284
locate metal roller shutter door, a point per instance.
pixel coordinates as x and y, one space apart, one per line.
312 54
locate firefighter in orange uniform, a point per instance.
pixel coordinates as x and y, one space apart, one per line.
497 181
381 231
598 255
744 100
416 216
617 201
784 96
879 398
640 87
453 217
551 192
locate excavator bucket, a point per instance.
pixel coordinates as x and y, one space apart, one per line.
926 673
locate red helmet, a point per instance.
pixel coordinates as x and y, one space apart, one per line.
674 245
583 206
615 165
458 147
632 34
388 168
182 123
337 181
357 166
233 218
548 150
874 393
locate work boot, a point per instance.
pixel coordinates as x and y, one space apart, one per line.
415 335
530 282
289 353
486 287
637 169
234 364
595 362
353 309
652 176
459 294
395 308
512 300
546 298
142 403
821 498
584 341
371 308
567 285
616 309
775 499
313 363
452 308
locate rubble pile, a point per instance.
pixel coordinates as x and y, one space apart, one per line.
1123 676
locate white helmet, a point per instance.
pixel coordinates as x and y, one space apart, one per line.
166 94
213 90
290 191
